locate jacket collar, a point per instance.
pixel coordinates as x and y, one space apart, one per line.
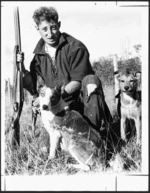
40 47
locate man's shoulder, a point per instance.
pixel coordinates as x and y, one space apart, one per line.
73 42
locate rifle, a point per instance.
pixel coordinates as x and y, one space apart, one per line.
18 94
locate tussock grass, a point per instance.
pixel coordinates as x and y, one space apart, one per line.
128 160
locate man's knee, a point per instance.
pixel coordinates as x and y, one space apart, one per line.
90 84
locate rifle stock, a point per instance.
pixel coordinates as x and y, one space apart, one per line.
17 84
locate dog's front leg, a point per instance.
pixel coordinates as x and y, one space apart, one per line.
54 140
123 128
138 130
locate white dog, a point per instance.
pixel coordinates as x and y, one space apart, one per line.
130 102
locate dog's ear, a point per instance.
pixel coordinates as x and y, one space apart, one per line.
57 88
60 89
118 76
138 80
138 75
40 83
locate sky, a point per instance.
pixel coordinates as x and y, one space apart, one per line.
103 27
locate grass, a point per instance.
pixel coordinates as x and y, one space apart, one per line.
31 157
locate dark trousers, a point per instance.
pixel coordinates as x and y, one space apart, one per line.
94 108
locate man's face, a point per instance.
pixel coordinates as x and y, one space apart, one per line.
49 32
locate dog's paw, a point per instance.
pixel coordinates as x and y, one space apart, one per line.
122 142
80 166
51 156
123 137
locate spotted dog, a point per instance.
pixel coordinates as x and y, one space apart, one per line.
69 129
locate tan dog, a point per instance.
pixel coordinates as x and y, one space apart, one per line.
69 129
130 101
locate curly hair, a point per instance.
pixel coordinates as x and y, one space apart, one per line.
45 13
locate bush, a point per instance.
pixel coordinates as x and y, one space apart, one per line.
105 70
132 63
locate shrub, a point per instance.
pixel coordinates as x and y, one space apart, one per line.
105 70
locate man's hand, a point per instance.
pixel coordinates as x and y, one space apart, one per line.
20 58
36 106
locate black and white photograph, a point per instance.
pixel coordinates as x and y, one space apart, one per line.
74 96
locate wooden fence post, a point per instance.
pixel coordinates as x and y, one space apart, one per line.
115 62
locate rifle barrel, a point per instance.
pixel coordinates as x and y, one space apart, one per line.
17 28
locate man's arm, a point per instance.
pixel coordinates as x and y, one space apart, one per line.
27 78
80 64
80 67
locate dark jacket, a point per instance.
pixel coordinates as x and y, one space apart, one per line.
71 62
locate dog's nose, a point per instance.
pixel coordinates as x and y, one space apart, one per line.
126 88
45 107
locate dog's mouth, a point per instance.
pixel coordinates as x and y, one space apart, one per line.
127 91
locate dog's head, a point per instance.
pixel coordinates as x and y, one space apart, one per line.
50 99
129 81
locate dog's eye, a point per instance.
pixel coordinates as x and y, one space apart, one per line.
42 94
131 80
121 80
52 98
